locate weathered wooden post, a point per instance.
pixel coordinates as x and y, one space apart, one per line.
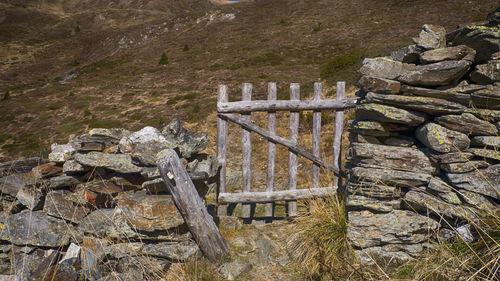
189 204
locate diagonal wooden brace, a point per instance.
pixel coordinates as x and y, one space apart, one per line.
277 139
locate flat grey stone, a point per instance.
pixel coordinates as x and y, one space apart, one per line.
73 167
485 74
468 124
368 229
487 98
187 143
422 201
61 182
231 270
400 141
450 53
149 212
31 197
384 68
455 157
120 163
379 85
436 74
433 106
384 156
391 177
485 181
372 128
486 153
373 190
357 202
60 153
486 141
449 94
465 167
172 251
36 229
477 200
58 204
384 113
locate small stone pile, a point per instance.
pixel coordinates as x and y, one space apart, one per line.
98 208
425 152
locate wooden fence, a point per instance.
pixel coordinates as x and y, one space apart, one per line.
245 107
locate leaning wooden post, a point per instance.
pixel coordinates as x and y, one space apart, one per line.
188 202
292 156
337 141
221 149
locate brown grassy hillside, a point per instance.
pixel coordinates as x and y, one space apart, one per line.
66 66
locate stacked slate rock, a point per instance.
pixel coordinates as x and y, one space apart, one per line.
425 143
98 209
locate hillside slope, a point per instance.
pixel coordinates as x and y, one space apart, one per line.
69 65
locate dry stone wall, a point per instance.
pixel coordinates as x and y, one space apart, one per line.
98 208
425 154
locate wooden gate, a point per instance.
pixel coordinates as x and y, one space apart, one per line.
245 107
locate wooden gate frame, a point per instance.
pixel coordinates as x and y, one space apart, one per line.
245 107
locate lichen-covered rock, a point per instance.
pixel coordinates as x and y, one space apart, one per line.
36 229
373 190
174 252
114 133
19 166
486 153
485 40
408 54
60 153
450 53
468 124
46 170
485 181
486 73
231 270
432 106
487 98
443 190
58 205
121 163
384 113
187 143
372 128
379 85
391 177
11 184
384 156
31 197
455 157
421 201
73 167
144 154
62 181
465 167
450 94
436 74
367 229
384 68
149 212
442 139
431 37
113 223
146 135
477 200
486 141
357 202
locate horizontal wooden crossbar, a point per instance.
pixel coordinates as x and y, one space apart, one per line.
283 195
279 105
277 139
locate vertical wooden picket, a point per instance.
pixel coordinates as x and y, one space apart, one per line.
271 148
292 156
221 148
247 151
316 135
339 126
